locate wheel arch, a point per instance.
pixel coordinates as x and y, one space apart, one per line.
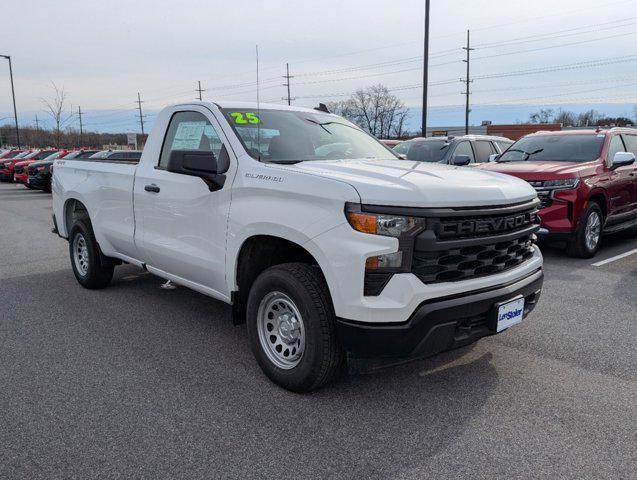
74 209
257 253
599 197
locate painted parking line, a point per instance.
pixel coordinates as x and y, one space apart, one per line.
616 257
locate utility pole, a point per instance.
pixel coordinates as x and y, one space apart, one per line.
425 72
199 89
79 113
15 111
287 76
467 92
141 115
37 123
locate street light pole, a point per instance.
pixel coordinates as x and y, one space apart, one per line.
15 111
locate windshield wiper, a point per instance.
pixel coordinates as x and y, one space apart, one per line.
284 162
322 125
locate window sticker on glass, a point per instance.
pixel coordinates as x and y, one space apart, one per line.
188 135
243 118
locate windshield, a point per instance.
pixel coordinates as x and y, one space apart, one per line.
426 150
51 156
555 148
42 155
11 155
101 154
289 136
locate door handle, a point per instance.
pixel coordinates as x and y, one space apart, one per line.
152 188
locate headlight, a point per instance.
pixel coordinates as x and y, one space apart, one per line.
397 226
563 184
385 225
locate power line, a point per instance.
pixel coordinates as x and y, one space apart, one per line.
559 33
580 42
467 82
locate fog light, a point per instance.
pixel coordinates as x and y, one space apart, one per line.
388 260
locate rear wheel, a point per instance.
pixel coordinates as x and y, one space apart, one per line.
291 327
588 236
88 264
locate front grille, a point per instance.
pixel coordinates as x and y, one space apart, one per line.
18 169
33 170
471 261
459 245
545 199
542 194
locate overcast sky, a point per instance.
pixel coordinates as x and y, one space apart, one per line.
103 52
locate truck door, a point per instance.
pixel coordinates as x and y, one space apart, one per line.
181 224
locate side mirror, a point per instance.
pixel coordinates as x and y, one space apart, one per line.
623 158
493 157
197 163
461 160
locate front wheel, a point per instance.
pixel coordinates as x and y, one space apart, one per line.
586 241
291 326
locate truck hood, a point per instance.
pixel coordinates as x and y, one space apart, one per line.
539 170
421 184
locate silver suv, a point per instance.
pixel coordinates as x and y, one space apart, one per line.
462 150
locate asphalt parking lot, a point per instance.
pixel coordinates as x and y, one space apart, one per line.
135 381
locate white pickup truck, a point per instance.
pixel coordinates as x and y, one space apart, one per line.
325 242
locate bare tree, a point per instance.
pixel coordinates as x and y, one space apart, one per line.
57 110
566 118
543 116
374 109
588 118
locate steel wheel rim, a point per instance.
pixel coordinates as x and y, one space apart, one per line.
281 330
593 230
80 254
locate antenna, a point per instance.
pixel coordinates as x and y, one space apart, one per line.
258 107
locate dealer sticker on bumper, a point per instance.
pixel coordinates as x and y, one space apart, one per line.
510 313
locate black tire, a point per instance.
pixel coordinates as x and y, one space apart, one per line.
97 273
47 186
28 186
578 246
323 358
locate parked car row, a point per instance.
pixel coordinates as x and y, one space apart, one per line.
34 168
585 179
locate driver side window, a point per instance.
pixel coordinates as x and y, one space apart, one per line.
464 148
189 131
616 145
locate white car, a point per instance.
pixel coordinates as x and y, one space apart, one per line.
364 255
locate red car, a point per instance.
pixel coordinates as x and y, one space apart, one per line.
585 179
7 162
20 169
10 154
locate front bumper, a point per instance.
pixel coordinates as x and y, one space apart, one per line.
39 181
21 177
6 175
438 324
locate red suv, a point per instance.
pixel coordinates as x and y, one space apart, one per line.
8 160
20 169
586 180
